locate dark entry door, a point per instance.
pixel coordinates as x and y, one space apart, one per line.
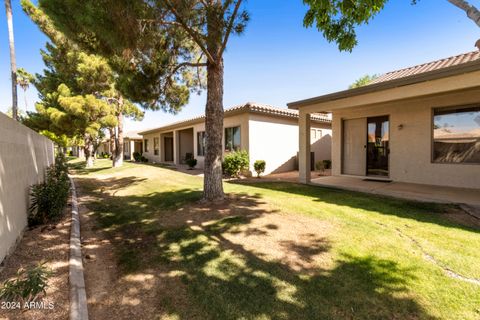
378 136
168 148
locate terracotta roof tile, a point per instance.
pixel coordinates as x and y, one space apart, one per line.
247 107
427 67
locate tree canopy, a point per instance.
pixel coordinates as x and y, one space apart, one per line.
76 88
160 50
363 81
338 19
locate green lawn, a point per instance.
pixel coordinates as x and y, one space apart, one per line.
376 257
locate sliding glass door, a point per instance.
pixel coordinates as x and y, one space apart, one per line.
378 146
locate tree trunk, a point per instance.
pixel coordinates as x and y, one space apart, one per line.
118 155
112 141
13 63
89 152
25 98
212 182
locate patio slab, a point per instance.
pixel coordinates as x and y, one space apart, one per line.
411 191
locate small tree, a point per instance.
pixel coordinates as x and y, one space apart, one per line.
259 167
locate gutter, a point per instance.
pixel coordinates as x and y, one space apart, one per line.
405 81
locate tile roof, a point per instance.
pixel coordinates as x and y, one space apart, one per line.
429 66
447 67
132 135
247 107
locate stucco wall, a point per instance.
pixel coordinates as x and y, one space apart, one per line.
24 155
269 138
275 140
240 120
411 146
150 154
186 144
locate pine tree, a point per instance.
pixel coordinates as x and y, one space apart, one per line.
77 91
159 50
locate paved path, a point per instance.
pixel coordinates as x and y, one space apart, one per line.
412 191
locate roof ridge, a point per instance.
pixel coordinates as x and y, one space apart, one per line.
432 62
250 106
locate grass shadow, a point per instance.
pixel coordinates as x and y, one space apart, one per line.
415 210
186 246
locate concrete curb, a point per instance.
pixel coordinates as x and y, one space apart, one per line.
78 295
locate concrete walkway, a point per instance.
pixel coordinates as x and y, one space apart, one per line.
418 192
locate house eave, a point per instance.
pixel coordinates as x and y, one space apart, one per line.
457 70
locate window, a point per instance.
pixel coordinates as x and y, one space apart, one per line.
315 135
456 135
201 140
145 145
232 139
156 146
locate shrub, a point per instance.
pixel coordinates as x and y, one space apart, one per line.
235 162
27 285
192 162
137 156
319 166
48 199
327 164
259 167
143 159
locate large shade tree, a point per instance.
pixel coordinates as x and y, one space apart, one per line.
73 83
159 49
338 19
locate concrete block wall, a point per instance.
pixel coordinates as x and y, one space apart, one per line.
24 156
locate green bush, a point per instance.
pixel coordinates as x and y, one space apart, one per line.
137 156
319 166
191 162
259 167
27 285
235 162
143 159
327 164
49 198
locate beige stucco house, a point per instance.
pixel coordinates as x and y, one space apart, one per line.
417 125
132 142
265 132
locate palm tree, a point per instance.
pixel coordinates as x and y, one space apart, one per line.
24 79
13 64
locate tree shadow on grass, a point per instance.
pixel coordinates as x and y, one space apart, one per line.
79 168
225 281
419 211
201 274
